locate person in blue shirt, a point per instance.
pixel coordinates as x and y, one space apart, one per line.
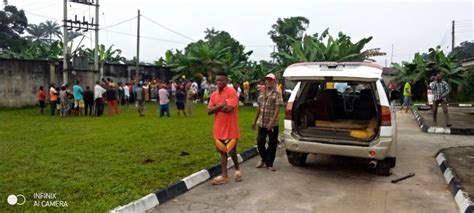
78 99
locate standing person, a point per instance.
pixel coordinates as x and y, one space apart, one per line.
392 86
98 92
78 99
190 95
121 92
126 91
224 104
111 96
41 98
146 91
269 103
246 85
88 101
406 96
173 89
164 101
53 99
140 97
440 96
180 98
63 95
429 92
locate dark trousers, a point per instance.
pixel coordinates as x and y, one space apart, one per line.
89 107
164 108
53 107
99 107
141 105
444 105
267 153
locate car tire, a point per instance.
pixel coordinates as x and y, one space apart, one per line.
383 171
384 167
296 158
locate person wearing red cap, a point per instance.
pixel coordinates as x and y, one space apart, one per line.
269 102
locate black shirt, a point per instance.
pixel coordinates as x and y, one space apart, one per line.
110 95
88 96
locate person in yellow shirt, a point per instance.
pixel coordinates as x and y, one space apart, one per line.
246 86
407 96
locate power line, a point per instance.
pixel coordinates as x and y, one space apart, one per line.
147 37
47 17
119 23
167 28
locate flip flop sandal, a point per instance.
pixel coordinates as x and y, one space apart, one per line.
219 180
238 176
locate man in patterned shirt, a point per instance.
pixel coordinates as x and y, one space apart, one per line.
440 90
269 102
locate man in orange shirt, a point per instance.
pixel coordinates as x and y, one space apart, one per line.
224 104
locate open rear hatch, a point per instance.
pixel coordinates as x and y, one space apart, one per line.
337 112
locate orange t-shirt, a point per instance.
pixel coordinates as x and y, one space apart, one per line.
52 95
226 125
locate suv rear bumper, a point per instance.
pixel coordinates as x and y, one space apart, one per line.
381 147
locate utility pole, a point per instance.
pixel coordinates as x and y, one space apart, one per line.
65 50
391 57
96 50
452 38
138 47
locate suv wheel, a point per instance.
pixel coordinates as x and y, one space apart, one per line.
296 158
384 167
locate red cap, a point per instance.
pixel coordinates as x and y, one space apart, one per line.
271 76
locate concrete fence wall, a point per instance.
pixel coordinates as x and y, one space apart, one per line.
21 79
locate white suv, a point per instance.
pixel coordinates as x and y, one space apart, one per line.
340 108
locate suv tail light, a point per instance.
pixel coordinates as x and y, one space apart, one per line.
288 110
386 116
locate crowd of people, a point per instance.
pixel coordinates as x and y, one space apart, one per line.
76 101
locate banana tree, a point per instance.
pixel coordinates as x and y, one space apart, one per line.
105 55
314 48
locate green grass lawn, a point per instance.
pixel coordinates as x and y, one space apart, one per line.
96 164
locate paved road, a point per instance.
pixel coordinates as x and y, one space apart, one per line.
334 184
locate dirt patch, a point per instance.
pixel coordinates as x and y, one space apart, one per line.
461 160
148 160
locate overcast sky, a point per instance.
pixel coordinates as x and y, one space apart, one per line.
410 25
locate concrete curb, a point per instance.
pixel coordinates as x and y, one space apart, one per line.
180 187
452 105
439 130
455 187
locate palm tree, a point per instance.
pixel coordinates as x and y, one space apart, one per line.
36 32
52 29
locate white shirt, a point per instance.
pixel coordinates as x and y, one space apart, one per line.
98 91
163 93
126 90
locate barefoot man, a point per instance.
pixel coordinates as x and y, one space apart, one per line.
223 104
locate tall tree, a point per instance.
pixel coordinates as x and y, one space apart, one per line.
37 33
464 51
284 31
12 24
51 28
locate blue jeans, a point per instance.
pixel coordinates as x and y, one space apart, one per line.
164 108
